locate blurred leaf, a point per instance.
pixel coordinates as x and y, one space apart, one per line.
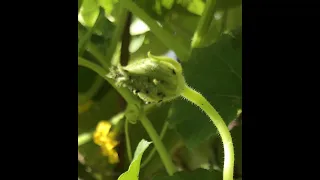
134 168
105 109
107 5
193 6
100 110
83 173
182 22
89 12
136 43
216 73
196 174
84 103
79 4
150 43
199 156
94 159
138 27
167 3
223 4
105 29
86 78
153 9
234 18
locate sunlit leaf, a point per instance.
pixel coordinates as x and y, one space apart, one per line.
136 43
89 12
138 27
134 168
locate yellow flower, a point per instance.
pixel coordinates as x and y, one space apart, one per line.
106 140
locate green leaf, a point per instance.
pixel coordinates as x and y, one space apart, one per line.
134 168
215 72
196 174
89 12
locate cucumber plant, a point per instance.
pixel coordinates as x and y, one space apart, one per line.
141 90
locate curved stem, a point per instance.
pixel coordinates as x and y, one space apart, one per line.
95 87
163 35
94 51
163 153
150 155
223 130
126 129
204 24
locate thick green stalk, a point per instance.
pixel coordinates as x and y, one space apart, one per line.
223 130
204 24
163 35
163 153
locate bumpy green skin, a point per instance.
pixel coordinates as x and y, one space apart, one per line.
155 79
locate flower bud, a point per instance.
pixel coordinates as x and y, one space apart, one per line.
154 79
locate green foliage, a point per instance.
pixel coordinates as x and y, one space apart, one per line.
214 70
196 174
134 168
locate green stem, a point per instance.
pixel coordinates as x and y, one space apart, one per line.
95 87
84 138
87 36
204 24
164 155
223 130
94 51
117 34
128 144
164 36
150 155
125 93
